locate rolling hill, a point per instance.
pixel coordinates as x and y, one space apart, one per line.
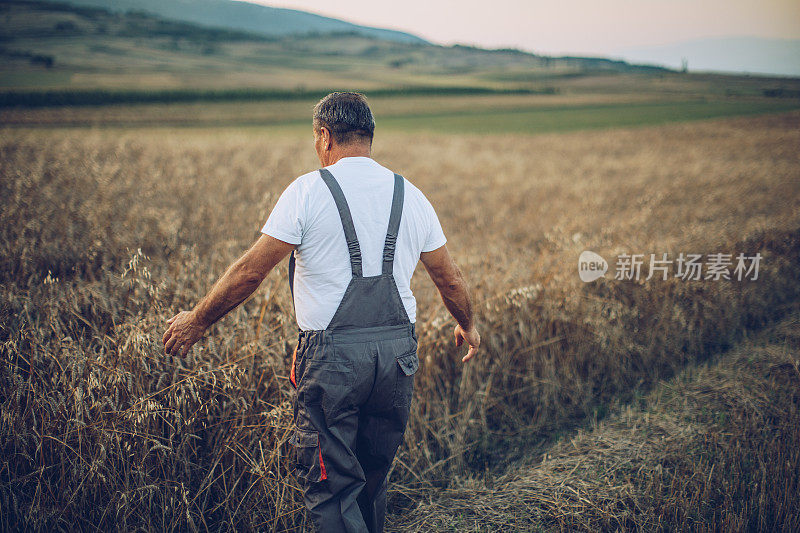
46 45
245 16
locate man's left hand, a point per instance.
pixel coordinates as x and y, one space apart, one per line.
184 330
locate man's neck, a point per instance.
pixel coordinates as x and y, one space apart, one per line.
341 152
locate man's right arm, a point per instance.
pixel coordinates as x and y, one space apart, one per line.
448 279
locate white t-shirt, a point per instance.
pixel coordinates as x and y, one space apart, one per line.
306 215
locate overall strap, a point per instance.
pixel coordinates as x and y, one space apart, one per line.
394 224
347 221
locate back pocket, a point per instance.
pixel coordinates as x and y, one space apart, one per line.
327 383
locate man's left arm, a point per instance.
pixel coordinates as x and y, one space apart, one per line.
240 281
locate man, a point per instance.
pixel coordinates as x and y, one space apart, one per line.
357 230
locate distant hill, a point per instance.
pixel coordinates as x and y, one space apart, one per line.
245 16
726 54
62 46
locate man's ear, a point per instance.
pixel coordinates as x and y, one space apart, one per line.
327 139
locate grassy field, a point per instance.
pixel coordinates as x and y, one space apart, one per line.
541 119
652 405
460 114
107 232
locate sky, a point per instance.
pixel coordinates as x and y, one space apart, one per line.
585 27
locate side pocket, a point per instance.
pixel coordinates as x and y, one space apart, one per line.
408 364
309 455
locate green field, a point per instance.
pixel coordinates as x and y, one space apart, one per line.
477 114
529 120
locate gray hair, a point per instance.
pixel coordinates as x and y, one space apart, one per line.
346 115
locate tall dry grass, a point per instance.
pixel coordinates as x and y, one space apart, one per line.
717 448
105 234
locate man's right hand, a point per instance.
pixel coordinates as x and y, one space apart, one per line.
471 337
453 289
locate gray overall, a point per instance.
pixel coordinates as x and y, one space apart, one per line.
354 384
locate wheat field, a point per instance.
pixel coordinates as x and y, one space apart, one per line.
107 232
